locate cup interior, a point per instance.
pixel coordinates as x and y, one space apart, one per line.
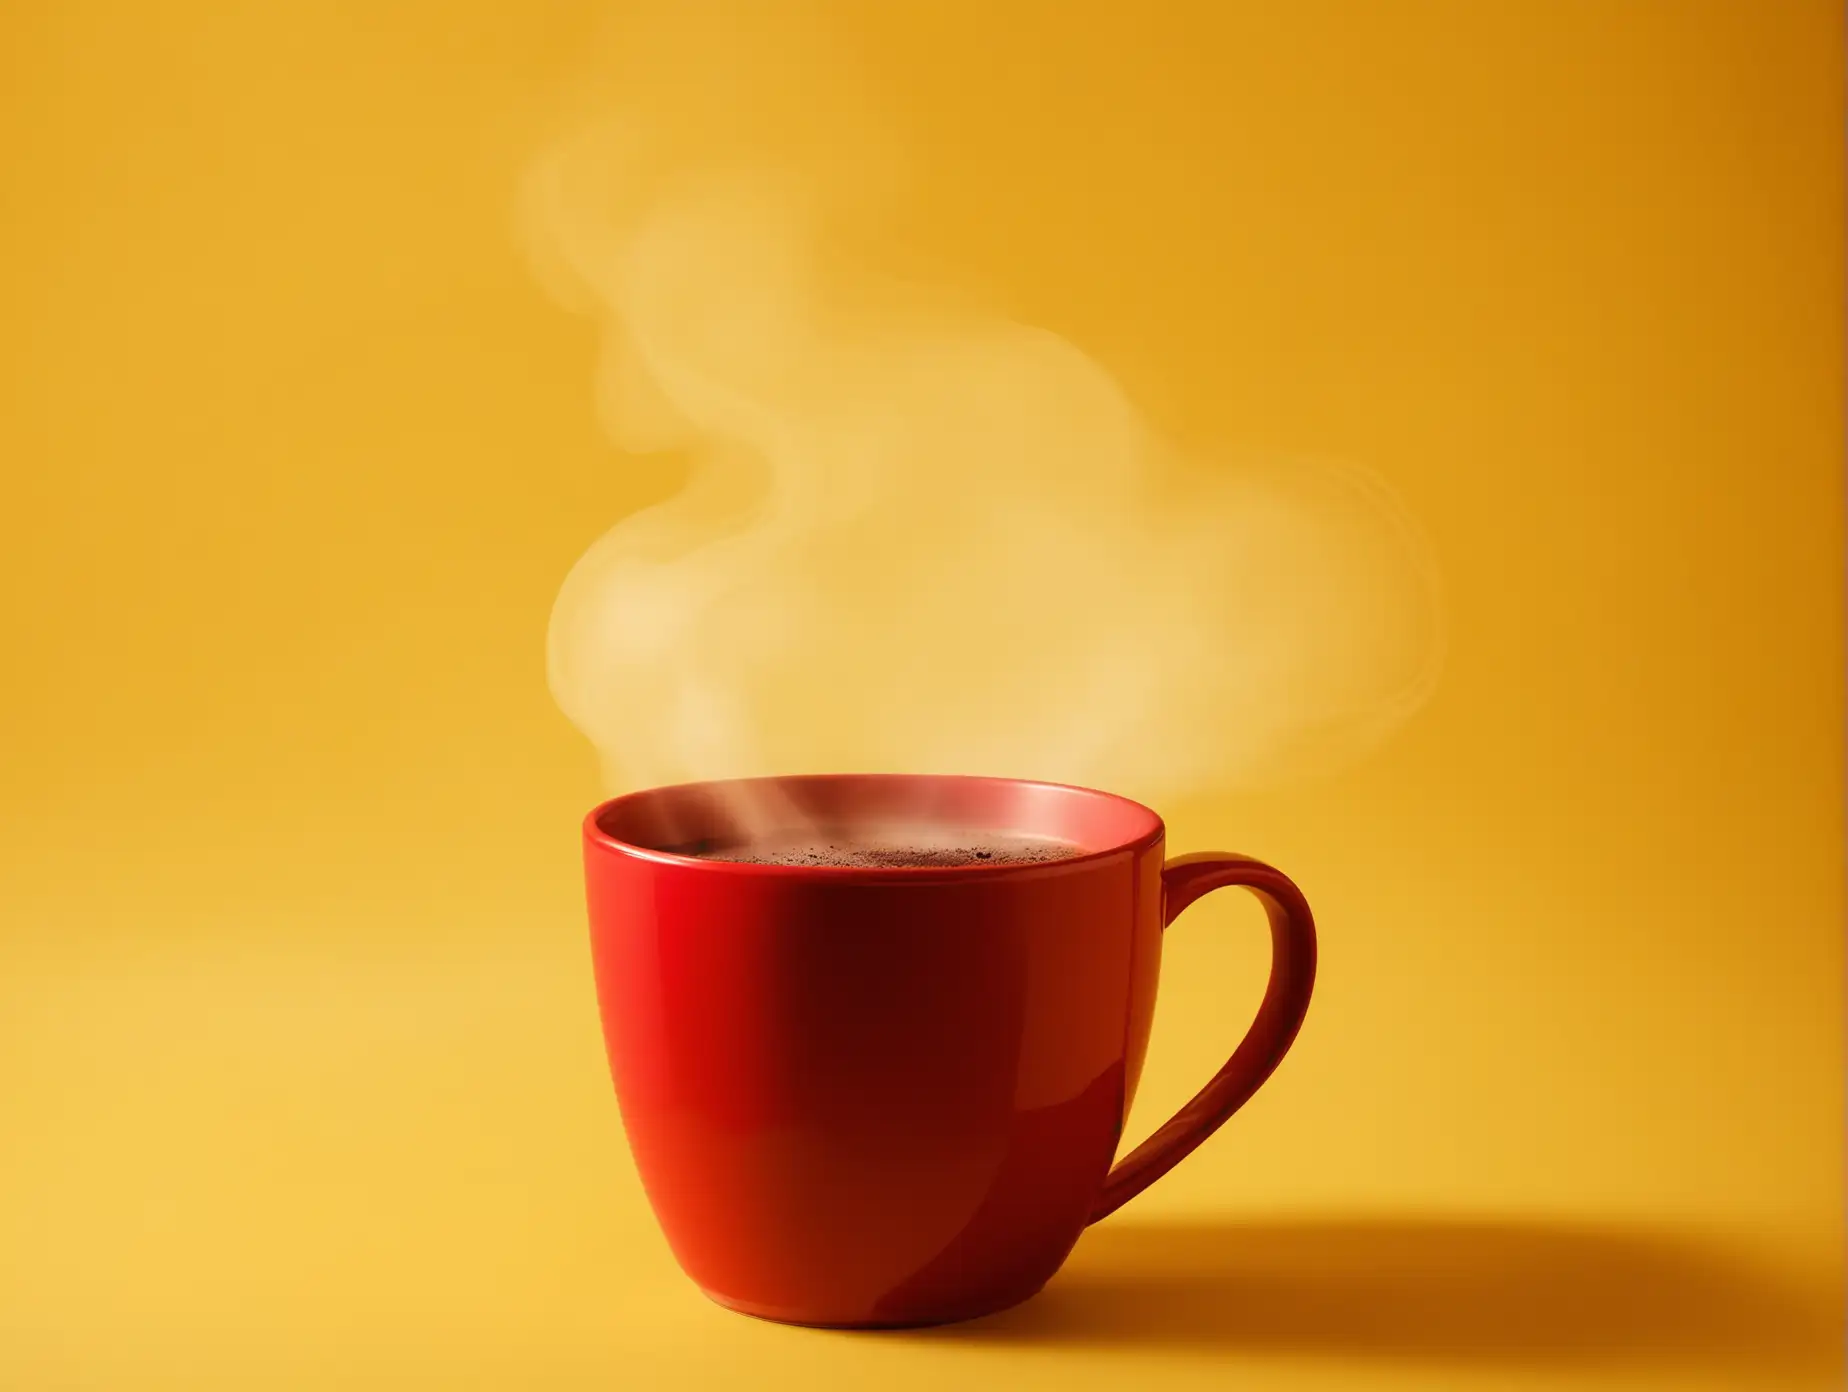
675 820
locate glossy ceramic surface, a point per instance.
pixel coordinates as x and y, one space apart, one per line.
892 1097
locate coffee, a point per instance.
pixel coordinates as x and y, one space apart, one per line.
865 850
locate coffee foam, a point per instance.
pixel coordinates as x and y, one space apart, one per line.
888 850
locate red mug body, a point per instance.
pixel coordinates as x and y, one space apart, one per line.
874 1097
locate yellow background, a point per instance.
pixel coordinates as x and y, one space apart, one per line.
300 1081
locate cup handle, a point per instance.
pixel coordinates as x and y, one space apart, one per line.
1286 1000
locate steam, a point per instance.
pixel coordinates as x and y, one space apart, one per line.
917 536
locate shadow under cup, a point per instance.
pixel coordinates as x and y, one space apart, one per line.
875 1096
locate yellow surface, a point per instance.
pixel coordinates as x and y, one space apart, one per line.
300 1083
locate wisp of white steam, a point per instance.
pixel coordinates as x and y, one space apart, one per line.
918 536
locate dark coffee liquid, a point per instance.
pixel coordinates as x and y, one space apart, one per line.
867 851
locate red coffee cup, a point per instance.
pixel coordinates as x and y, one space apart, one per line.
888 1097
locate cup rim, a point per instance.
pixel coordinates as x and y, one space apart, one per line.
1152 833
